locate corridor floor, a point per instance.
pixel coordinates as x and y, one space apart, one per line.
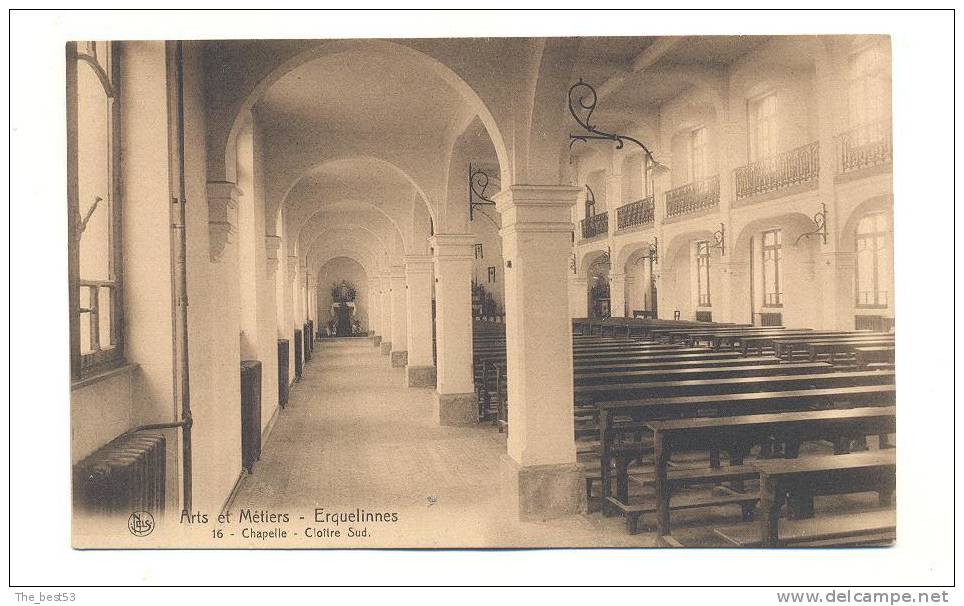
354 437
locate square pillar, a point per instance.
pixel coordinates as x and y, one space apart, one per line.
399 353
617 295
455 402
540 476
374 313
419 275
578 296
385 307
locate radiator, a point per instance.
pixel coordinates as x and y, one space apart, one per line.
282 372
769 318
704 316
250 413
298 358
874 323
125 476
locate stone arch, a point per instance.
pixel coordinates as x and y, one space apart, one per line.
307 228
290 186
845 235
456 81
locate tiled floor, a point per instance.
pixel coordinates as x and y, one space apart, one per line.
354 437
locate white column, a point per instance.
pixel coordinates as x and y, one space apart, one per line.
374 312
385 305
289 312
578 296
399 354
617 295
540 476
419 275
456 402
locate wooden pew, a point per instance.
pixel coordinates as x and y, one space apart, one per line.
646 374
874 355
643 410
738 435
786 481
762 342
834 349
714 387
787 348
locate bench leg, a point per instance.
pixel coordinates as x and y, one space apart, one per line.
589 508
661 461
622 479
770 503
632 523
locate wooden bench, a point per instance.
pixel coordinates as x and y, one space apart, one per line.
762 342
835 348
738 434
786 481
865 529
714 387
874 355
647 374
641 411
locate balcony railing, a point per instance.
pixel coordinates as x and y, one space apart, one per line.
693 197
800 165
595 225
640 212
867 145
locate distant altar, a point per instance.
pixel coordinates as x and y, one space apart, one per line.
343 308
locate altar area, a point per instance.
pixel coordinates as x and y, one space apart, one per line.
344 320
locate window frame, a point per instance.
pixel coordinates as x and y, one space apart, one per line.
777 251
695 134
873 237
753 118
109 356
703 260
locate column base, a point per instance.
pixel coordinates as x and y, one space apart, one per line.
456 409
542 492
421 376
399 359
376 340
386 347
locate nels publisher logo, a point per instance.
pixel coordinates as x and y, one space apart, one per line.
141 523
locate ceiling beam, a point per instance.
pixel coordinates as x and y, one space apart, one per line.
643 61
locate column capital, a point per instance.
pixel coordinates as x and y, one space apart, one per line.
416 264
272 247
397 272
539 208
453 246
292 266
222 216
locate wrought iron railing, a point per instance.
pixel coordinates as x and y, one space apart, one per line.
595 225
693 197
800 165
640 212
867 145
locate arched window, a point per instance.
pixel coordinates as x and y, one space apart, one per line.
763 126
93 206
772 268
874 261
703 272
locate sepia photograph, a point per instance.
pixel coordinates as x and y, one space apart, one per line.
683 337
490 291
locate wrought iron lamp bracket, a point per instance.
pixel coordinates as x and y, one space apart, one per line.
652 254
820 223
719 240
583 96
478 182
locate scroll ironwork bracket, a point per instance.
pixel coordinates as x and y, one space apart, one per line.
719 240
582 103
820 221
478 182
652 254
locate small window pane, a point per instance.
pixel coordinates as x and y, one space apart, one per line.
105 316
93 174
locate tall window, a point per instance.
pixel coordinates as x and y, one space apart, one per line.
649 179
874 260
94 247
763 127
703 272
772 274
868 92
698 154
